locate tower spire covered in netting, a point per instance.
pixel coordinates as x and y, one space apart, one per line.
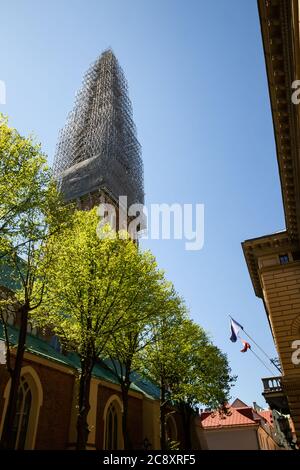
98 148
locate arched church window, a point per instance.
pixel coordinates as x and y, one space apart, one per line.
112 425
29 402
20 426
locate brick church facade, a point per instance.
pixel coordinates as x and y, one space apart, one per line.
48 412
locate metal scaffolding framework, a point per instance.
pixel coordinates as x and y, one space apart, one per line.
98 148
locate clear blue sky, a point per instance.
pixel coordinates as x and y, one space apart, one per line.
198 86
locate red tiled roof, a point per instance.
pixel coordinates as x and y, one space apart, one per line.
237 416
233 418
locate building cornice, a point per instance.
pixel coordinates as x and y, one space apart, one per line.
279 21
280 35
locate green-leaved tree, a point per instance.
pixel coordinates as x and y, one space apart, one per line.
126 344
96 286
189 369
202 375
31 210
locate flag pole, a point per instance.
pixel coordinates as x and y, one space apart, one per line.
257 357
263 352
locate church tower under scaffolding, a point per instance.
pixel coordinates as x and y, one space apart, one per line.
98 152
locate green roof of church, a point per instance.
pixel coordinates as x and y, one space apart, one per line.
102 370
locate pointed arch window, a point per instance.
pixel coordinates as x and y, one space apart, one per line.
20 426
29 402
112 426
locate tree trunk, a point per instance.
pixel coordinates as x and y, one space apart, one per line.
186 414
8 438
163 440
87 365
126 437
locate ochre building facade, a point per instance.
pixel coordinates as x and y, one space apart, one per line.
274 260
